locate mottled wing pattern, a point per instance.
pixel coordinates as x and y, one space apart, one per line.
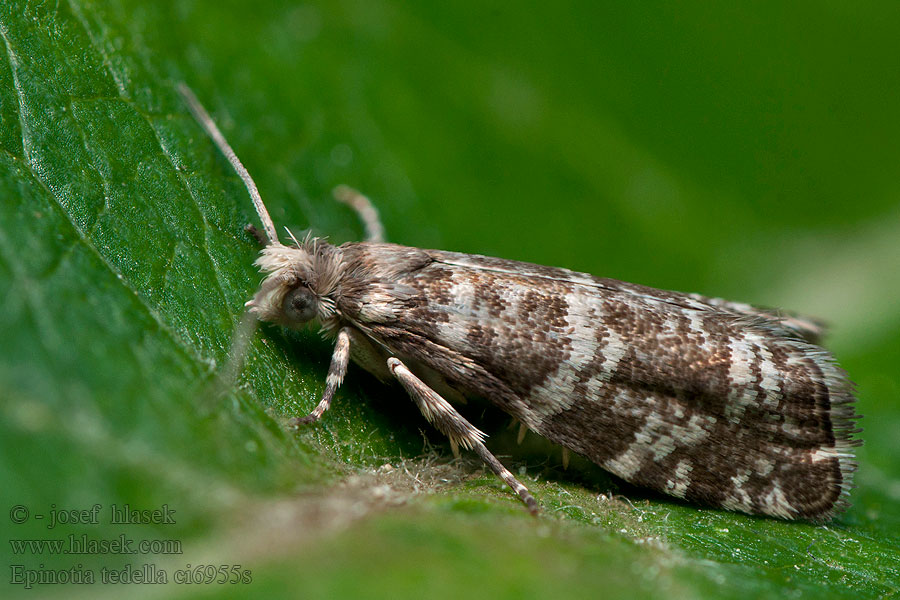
671 391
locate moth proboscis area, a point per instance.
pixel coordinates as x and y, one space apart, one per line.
715 402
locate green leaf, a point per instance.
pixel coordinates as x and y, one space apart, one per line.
712 149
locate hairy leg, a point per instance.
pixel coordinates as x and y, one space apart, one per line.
336 373
448 421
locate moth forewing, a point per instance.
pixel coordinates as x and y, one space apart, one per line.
715 402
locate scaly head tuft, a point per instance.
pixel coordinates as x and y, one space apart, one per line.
300 283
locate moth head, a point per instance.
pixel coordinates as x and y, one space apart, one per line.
302 281
300 285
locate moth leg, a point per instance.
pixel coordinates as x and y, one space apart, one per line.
448 421
523 429
336 373
364 208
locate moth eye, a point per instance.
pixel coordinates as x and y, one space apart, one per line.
299 304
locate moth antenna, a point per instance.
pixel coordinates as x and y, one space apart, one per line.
213 132
364 209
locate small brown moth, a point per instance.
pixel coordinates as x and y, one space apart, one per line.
715 402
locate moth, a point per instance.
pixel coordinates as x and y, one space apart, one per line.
714 402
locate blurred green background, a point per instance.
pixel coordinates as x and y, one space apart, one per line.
747 150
